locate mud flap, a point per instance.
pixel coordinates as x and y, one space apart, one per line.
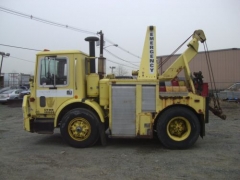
102 134
202 131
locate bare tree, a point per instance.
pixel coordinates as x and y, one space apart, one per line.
121 71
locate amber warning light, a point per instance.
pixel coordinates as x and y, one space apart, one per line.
32 99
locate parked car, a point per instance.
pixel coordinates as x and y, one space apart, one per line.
232 93
23 87
4 89
23 93
26 85
8 88
9 94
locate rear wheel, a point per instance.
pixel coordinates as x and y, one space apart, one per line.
80 128
178 128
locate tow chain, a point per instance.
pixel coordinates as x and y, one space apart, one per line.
216 109
167 58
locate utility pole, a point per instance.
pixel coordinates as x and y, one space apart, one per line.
112 67
101 59
3 54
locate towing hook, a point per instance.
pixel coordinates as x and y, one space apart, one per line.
218 113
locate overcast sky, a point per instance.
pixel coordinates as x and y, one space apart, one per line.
123 22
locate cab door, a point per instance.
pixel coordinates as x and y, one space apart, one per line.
53 86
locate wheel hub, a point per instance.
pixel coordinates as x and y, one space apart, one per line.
178 128
79 129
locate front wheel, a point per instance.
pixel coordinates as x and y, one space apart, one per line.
79 128
178 128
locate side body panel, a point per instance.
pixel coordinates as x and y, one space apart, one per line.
123 110
135 105
132 104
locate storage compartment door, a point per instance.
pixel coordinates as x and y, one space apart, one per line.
123 111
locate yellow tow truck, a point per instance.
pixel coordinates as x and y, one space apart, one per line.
67 93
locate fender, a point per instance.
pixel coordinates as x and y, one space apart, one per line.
94 105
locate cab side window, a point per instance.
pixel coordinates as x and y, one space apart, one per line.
53 71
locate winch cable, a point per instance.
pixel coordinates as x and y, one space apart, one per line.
211 76
167 58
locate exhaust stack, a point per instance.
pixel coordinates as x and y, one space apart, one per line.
91 41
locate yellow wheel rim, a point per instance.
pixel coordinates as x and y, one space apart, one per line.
178 128
79 129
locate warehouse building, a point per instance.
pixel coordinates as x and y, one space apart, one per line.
225 65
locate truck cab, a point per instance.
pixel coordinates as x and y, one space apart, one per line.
59 78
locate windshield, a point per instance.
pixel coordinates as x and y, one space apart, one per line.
7 92
234 87
4 89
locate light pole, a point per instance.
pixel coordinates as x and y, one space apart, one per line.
112 67
3 54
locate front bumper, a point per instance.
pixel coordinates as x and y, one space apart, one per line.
3 100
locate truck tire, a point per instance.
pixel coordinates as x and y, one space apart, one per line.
80 128
178 128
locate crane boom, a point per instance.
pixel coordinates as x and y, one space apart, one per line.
182 62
